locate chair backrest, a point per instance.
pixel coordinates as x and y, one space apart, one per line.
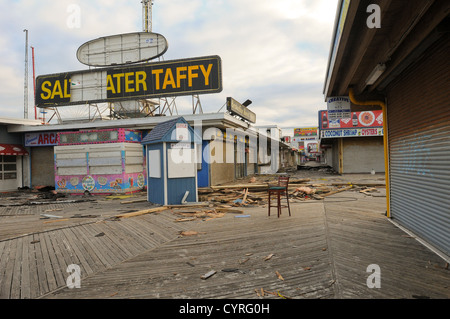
283 181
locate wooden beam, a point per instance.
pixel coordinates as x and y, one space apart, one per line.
142 212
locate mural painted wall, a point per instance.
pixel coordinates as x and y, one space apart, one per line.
100 161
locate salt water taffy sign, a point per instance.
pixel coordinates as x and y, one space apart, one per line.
200 75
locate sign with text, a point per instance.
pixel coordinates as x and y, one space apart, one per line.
338 107
356 132
355 120
305 131
234 107
41 139
131 82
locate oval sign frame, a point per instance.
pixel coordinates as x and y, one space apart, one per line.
120 49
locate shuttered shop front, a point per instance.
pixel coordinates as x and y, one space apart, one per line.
419 146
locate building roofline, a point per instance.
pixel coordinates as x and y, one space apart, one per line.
218 119
19 121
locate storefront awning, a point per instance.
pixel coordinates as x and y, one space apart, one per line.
12 149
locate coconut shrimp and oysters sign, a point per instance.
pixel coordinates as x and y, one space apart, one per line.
129 75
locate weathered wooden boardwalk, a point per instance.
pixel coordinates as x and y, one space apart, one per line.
36 263
321 251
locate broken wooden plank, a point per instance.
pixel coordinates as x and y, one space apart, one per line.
142 212
134 201
268 257
241 186
245 196
187 205
279 275
56 220
185 219
337 191
208 274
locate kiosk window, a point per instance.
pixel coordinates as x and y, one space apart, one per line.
8 167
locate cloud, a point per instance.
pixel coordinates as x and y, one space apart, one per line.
273 52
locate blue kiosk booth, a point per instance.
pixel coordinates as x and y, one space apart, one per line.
171 149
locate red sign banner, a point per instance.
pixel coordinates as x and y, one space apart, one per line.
362 119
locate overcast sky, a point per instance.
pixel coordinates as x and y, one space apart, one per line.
274 53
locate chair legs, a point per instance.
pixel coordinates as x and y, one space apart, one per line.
287 199
279 206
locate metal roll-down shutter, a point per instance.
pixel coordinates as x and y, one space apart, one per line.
419 147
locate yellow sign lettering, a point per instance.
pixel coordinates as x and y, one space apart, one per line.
157 72
110 84
66 87
141 76
192 75
129 82
180 76
118 76
46 90
206 72
57 90
168 81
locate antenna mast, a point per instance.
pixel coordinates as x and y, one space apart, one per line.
25 94
147 15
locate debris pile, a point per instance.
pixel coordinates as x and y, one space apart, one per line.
255 194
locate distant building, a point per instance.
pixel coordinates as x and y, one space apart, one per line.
106 157
354 144
14 157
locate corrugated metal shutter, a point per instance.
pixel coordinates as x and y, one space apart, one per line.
419 147
420 184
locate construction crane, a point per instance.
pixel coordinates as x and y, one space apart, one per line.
147 15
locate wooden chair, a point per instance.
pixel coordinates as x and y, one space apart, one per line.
279 190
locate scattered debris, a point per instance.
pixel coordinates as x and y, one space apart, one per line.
338 191
143 212
132 201
262 292
46 216
191 233
112 197
279 275
185 219
305 190
100 234
187 205
280 295
53 210
208 274
56 220
268 257
83 216
255 192
230 270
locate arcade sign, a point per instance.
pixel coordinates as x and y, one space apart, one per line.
200 75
